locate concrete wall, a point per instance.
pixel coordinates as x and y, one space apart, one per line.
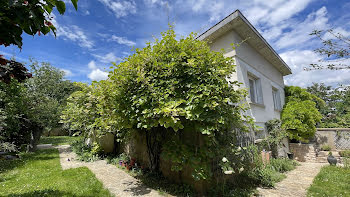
329 136
248 60
303 152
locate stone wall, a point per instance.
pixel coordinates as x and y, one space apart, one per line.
336 138
303 152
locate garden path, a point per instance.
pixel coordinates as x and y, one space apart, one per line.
118 182
296 182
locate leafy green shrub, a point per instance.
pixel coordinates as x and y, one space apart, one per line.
86 152
276 134
344 153
300 115
326 147
266 176
282 165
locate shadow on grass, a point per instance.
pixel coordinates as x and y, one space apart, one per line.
46 192
6 165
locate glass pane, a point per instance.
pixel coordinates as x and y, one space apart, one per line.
252 90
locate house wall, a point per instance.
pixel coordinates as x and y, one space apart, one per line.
248 60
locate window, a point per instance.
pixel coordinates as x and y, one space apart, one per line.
255 90
276 99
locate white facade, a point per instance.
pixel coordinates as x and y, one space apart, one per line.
259 67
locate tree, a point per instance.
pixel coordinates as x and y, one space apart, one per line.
10 69
173 93
300 114
175 90
31 17
335 50
30 107
336 110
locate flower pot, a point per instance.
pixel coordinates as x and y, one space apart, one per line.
332 160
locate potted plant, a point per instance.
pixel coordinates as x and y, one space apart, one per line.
331 159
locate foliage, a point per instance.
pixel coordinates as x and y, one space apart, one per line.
344 153
326 147
331 181
28 108
14 124
86 152
11 69
166 91
282 165
172 87
47 92
335 50
275 136
300 115
31 17
7 147
40 174
336 111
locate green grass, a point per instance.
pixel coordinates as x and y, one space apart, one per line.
58 140
40 174
331 181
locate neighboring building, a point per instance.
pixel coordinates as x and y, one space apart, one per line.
259 68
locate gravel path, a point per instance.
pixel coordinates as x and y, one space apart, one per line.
115 180
296 182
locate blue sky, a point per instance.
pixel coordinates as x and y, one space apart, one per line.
102 31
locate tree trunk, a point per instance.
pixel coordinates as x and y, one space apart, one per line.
35 135
154 139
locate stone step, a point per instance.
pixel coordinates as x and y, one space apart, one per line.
324 159
325 153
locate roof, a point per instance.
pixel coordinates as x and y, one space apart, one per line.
245 30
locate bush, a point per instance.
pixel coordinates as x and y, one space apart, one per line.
266 176
86 152
344 153
282 165
326 147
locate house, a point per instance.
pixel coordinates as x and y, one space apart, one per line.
259 68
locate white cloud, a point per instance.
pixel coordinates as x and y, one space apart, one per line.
122 40
108 58
300 31
300 59
67 73
120 8
97 75
92 65
73 33
337 30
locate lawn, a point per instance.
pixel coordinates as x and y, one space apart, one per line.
331 181
58 140
40 174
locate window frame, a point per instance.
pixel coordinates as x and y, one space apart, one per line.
276 98
257 97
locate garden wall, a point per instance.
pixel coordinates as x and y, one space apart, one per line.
136 147
336 138
303 152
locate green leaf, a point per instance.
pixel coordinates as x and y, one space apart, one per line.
75 4
61 7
